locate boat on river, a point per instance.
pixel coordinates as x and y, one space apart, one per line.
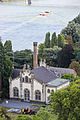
45 13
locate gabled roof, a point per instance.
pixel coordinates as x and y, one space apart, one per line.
62 70
43 75
15 73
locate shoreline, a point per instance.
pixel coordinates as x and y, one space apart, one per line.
20 3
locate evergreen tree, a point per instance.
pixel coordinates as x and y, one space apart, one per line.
53 40
1 65
8 46
8 49
60 41
65 56
41 50
47 40
5 71
5 81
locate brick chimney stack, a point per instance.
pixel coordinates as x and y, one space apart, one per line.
35 55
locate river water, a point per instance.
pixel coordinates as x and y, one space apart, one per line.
23 25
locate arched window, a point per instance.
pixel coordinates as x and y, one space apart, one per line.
22 79
48 90
15 92
26 95
29 80
37 95
26 78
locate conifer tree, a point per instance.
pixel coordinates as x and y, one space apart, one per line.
8 46
53 40
1 65
5 72
47 40
60 41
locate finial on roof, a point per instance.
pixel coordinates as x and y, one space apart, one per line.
43 63
24 67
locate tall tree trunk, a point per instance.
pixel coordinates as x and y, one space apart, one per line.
0 85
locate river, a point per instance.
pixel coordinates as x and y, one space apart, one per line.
23 24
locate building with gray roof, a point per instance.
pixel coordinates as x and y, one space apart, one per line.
35 84
38 83
61 71
43 75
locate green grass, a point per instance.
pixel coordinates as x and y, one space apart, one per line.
13 116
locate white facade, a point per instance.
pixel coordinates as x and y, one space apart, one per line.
63 85
48 92
27 88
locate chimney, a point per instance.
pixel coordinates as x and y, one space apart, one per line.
35 55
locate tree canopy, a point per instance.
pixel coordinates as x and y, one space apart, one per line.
76 66
66 102
73 29
22 57
47 40
65 56
53 40
5 70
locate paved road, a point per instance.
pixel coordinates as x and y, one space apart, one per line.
15 104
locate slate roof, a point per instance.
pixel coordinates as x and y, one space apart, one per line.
62 71
57 82
15 73
43 75
46 75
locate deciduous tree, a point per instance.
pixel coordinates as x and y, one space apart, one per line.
76 66
66 103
